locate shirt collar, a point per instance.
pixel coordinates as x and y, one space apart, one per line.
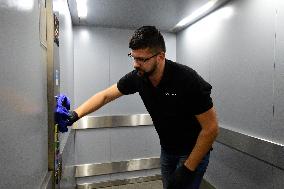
165 76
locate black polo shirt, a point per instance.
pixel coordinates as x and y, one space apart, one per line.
173 104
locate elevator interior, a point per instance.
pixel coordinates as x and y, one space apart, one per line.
240 53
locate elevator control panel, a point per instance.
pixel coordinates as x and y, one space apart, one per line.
58 158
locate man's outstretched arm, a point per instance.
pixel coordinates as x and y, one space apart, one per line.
98 100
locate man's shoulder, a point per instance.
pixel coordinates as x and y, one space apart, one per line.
129 83
180 70
131 75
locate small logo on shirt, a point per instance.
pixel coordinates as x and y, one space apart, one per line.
170 94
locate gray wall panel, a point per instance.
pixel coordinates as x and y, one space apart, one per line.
23 113
192 53
91 63
278 120
132 143
242 72
68 161
152 143
92 146
120 64
234 49
116 144
170 41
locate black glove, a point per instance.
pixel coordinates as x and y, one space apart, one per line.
63 116
181 178
72 118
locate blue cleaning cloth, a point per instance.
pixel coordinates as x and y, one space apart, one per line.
62 112
63 100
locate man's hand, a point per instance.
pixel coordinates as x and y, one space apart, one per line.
64 117
181 178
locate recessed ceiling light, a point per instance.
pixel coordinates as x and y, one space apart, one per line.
82 8
196 14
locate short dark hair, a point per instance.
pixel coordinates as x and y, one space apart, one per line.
147 37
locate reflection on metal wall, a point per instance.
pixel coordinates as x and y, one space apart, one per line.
134 180
267 151
236 53
116 167
47 182
89 122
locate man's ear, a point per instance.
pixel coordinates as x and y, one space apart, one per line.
161 56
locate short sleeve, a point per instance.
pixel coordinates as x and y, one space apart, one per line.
200 98
129 84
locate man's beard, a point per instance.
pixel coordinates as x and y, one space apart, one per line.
142 73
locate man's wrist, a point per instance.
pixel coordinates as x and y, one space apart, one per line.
73 116
78 112
188 166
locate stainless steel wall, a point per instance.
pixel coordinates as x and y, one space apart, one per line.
278 120
96 53
237 49
23 98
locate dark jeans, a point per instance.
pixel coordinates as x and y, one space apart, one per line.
170 162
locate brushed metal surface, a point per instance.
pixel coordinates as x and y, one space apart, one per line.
47 183
261 149
68 160
92 122
85 170
118 182
23 86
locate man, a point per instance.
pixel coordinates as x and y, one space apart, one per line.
177 99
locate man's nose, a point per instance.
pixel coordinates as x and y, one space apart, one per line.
135 64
